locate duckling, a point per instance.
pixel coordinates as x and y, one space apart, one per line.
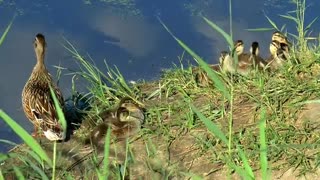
124 122
37 101
257 60
238 47
245 60
227 60
201 77
222 57
281 38
279 55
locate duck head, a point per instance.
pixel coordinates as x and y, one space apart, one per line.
238 47
254 49
39 48
222 57
280 37
129 112
39 44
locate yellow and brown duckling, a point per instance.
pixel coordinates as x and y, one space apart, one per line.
279 55
37 101
201 77
246 61
226 59
281 38
124 122
226 64
238 47
256 59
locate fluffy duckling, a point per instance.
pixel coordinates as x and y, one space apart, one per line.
37 101
227 60
281 38
222 57
124 122
238 47
201 77
246 61
257 60
279 55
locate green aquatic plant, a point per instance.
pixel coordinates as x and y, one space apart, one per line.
99 80
5 33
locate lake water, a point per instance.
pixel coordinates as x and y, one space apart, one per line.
126 35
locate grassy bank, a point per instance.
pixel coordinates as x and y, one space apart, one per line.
257 127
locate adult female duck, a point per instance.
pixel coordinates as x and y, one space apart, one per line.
37 101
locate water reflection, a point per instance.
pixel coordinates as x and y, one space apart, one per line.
128 37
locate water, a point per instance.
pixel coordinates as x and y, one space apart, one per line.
128 36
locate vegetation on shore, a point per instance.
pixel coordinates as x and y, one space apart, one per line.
253 127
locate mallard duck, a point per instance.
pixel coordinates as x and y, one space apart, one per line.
124 122
37 101
279 54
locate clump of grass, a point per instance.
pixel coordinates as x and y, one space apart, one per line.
103 86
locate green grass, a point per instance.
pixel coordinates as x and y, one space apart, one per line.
250 126
5 33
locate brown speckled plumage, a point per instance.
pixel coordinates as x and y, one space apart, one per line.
37 102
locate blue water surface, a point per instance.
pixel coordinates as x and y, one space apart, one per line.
126 35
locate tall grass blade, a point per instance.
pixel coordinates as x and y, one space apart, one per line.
62 119
260 29
311 23
19 174
230 19
8 142
105 170
5 33
1 175
36 168
54 160
26 137
226 36
33 155
290 18
246 164
210 125
123 173
273 24
240 171
263 144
